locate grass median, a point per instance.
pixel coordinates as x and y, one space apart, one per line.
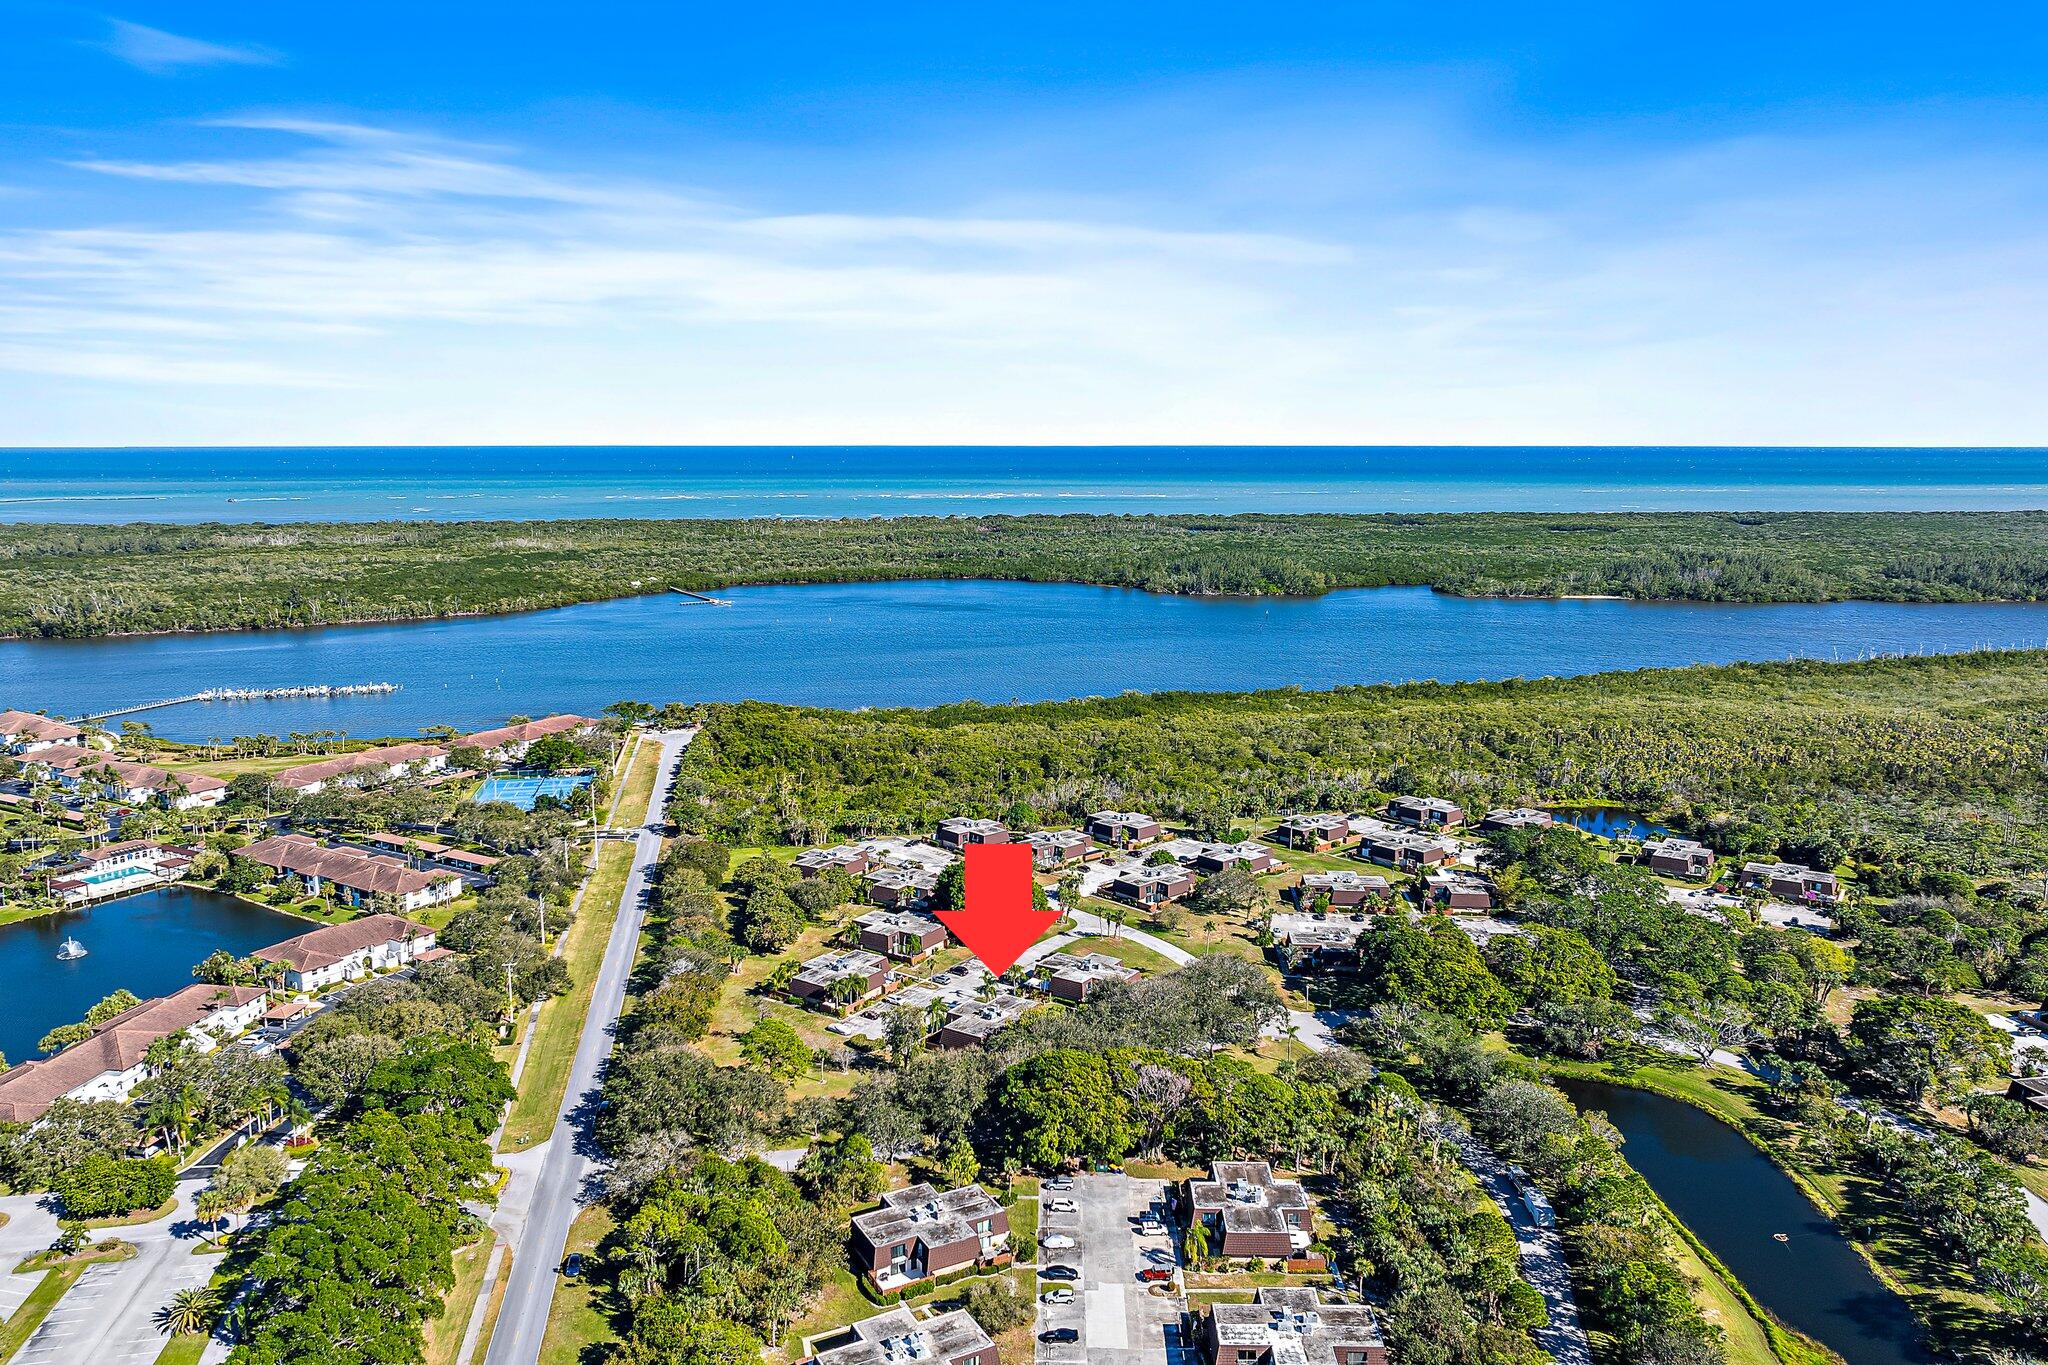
544 1084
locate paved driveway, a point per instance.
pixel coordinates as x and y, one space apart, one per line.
1119 1319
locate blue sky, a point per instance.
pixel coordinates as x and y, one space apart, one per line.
1047 223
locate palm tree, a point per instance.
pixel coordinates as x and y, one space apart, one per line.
171 1115
189 1311
214 1204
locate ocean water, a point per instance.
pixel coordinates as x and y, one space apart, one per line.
455 483
924 643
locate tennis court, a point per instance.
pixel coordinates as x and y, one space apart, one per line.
524 791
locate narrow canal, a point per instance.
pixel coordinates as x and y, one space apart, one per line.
146 943
1739 1204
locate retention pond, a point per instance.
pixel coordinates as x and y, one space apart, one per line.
1751 1215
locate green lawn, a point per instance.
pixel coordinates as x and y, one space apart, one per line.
576 1320
183 1349
1123 950
444 1334
544 1083
1747 1344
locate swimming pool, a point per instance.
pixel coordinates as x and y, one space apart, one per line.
524 791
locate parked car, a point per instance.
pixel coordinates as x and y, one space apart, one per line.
1151 1226
1060 1334
1156 1274
1059 1272
1059 1241
1057 1296
1061 1206
572 1266
1060 1182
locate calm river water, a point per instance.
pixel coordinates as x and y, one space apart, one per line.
926 643
1737 1201
147 943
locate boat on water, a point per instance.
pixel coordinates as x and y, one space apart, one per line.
71 950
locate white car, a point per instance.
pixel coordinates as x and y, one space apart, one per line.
1057 1296
1062 1206
1057 1242
1060 1182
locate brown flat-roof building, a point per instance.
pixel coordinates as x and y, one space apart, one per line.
960 831
1343 890
1152 885
844 857
1318 943
1791 882
1407 851
1074 977
1425 812
900 934
1316 833
919 1232
814 981
1458 890
972 1025
1676 857
900 887
1058 847
900 1337
1250 855
1250 1213
1122 828
1515 817
1292 1326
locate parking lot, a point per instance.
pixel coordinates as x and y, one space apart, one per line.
1115 1316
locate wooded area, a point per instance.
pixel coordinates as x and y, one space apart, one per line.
1912 767
75 581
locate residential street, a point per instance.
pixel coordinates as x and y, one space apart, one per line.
565 1169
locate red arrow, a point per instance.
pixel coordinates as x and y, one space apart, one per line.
998 923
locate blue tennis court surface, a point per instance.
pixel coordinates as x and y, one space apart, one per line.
524 791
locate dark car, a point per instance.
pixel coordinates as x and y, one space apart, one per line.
1059 1272
572 1267
1059 1334
1155 1274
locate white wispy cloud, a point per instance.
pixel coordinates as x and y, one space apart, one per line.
160 53
372 283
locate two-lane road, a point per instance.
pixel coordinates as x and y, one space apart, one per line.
531 1288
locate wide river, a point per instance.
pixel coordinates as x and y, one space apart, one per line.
926 643
146 943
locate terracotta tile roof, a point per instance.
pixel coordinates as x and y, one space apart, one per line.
33 726
326 946
71 758
525 732
62 757
115 1046
369 873
306 774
